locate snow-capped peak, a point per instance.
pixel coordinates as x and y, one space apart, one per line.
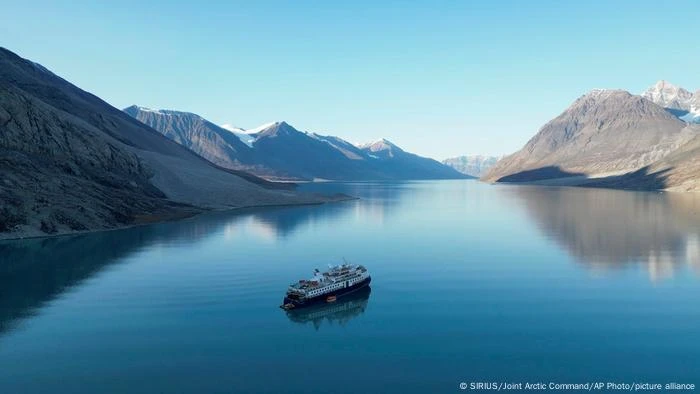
146 109
669 95
166 112
249 136
230 127
143 109
262 127
379 144
242 134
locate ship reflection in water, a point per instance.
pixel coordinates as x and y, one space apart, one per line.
341 311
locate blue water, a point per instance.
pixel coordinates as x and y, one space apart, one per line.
471 282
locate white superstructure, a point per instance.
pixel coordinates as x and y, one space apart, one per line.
336 279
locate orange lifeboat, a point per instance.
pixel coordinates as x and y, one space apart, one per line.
330 299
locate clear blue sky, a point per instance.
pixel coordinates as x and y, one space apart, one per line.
438 78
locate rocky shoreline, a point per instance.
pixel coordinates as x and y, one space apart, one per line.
146 220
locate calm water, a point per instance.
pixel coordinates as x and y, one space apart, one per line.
471 282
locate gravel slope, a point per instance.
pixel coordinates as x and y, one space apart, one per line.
70 162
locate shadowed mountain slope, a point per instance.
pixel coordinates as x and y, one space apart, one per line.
71 162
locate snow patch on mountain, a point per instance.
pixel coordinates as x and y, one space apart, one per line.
262 127
691 117
242 134
679 101
378 145
146 109
669 96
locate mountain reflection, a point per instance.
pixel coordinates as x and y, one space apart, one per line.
33 272
377 200
281 222
609 229
341 312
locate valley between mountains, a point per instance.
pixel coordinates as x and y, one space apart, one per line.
70 162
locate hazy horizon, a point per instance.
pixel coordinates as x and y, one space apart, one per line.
440 80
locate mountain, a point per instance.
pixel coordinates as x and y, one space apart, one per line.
279 151
404 165
676 100
605 133
71 162
304 156
194 132
315 156
668 95
227 148
476 165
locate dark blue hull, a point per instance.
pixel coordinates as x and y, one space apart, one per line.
322 298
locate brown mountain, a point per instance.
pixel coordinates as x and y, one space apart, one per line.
602 139
71 162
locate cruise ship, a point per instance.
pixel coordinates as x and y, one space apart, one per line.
326 286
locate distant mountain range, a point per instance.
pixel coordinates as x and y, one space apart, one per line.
71 162
278 151
613 138
472 165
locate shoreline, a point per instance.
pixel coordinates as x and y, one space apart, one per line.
181 217
594 182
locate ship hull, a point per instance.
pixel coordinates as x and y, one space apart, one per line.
322 299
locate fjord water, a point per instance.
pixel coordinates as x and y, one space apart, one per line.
471 282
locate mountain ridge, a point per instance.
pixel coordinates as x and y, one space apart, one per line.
472 165
278 151
70 162
604 134
677 100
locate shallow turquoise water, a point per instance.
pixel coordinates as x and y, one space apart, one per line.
471 282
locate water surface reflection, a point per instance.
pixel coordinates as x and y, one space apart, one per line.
466 277
340 312
610 229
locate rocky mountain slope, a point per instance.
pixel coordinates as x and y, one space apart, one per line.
279 151
71 162
222 147
475 165
606 134
679 171
669 96
676 100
